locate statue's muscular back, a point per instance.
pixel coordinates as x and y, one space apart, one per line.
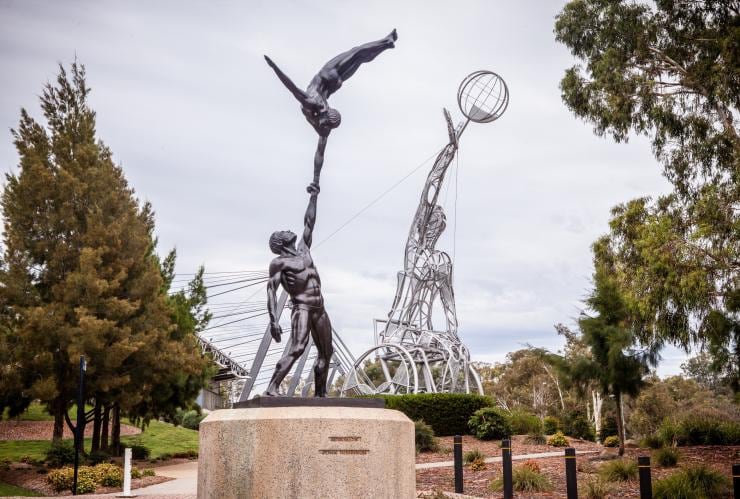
300 278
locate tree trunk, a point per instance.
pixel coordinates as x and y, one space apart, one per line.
104 429
97 420
115 432
59 408
620 422
598 402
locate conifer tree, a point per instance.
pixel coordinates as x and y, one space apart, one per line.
79 273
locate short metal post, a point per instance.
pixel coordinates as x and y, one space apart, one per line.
571 479
646 484
458 464
506 462
127 474
736 479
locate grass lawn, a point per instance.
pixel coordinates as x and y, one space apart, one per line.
160 438
11 490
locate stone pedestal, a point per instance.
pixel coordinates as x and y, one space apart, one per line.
306 452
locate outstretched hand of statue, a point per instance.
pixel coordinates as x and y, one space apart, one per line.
276 331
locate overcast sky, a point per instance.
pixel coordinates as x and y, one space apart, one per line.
205 131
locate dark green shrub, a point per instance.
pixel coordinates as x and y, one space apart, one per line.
557 440
148 472
424 437
135 472
652 441
577 425
472 455
97 457
108 475
608 427
550 425
619 470
703 430
85 485
666 457
60 454
490 423
669 432
524 423
611 441
446 413
140 452
191 420
525 480
696 482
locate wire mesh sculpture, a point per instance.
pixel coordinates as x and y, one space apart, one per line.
411 354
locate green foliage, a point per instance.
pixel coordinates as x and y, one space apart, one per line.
618 470
557 440
595 488
472 455
695 482
523 423
698 429
135 472
148 472
550 425
5 464
60 453
490 423
191 419
608 426
652 442
85 485
577 425
446 413
424 437
164 438
60 479
108 475
98 457
669 71
524 480
7 490
611 441
666 457
140 452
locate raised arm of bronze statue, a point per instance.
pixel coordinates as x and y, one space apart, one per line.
309 220
314 100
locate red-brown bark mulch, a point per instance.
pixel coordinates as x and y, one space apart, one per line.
476 483
492 448
43 430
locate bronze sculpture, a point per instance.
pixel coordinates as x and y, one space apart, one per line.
314 100
295 270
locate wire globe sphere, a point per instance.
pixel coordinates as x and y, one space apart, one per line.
483 96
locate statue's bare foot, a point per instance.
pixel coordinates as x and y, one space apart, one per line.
392 37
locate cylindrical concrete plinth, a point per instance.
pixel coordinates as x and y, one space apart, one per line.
306 452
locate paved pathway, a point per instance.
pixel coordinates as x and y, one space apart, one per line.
447 464
185 480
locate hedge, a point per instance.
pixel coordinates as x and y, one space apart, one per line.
446 413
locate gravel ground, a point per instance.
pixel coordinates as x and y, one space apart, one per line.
43 430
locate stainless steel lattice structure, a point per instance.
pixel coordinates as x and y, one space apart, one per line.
413 355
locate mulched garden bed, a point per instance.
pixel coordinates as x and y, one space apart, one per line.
492 448
476 482
43 430
34 478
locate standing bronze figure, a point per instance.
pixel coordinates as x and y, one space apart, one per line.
295 270
314 100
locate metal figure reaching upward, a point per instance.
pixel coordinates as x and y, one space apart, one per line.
407 343
295 270
314 100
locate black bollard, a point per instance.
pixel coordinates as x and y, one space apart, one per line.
571 480
506 457
458 464
736 479
646 483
